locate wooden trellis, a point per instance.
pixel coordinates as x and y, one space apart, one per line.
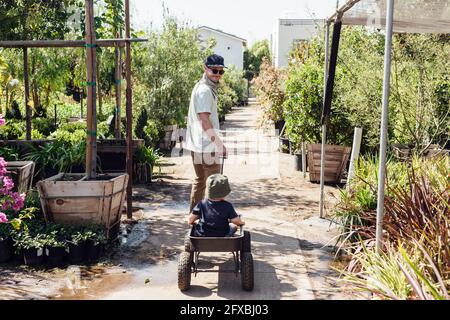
90 43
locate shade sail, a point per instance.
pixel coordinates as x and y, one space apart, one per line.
412 16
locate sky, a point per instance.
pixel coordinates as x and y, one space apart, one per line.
252 20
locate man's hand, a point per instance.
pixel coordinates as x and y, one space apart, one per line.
208 128
222 151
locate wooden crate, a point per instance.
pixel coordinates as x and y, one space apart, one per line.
22 173
82 202
336 158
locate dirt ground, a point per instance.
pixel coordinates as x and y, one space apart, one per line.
292 248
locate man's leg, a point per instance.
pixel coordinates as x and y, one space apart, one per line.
198 185
202 172
211 165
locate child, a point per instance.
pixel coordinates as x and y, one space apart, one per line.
214 213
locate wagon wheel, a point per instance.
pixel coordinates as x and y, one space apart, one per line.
247 277
184 271
246 242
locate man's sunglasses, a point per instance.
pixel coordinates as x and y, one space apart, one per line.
217 71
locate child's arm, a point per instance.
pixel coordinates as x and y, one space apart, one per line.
238 221
192 218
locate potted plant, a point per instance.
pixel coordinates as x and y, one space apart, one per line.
32 247
95 243
12 203
145 160
56 247
6 244
77 245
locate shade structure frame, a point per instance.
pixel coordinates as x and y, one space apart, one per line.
437 20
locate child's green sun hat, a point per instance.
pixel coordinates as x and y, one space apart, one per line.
217 186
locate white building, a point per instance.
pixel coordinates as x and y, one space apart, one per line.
287 33
229 46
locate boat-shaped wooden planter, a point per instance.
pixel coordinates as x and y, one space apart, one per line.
71 199
336 158
22 173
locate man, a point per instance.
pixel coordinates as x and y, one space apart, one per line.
202 128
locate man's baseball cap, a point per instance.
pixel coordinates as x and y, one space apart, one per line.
215 60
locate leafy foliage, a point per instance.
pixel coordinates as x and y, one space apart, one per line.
254 57
269 87
170 64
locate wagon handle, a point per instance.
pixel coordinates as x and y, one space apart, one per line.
222 163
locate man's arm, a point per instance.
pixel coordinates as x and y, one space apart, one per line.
208 128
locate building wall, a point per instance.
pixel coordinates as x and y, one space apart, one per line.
287 32
231 49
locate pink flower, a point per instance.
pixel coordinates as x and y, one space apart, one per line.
18 201
3 218
8 185
2 166
2 120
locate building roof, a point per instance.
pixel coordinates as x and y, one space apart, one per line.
224 33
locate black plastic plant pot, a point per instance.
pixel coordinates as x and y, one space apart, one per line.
33 256
77 252
6 250
93 251
284 145
56 256
298 162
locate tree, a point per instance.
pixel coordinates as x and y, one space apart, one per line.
170 64
34 20
254 57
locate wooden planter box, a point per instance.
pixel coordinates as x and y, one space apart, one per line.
142 173
22 173
336 158
402 151
70 199
170 139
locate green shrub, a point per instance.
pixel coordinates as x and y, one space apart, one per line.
44 126
270 92
12 130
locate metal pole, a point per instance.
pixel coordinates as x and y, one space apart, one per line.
27 94
129 106
91 117
384 123
355 154
324 126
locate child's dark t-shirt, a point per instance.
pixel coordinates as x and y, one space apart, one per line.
214 218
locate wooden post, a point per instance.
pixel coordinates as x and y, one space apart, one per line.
118 81
27 94
304 159
91 140
355 155
81 107
99 89
56 118
129 107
